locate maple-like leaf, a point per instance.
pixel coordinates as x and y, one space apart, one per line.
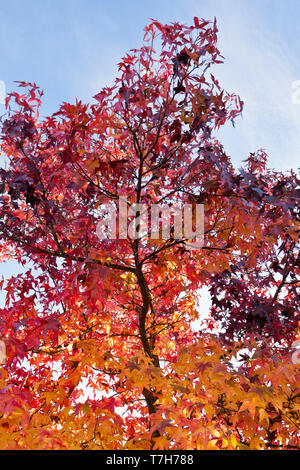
101 347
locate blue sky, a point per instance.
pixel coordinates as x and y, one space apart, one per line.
71 47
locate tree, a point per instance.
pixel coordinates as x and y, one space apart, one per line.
101 351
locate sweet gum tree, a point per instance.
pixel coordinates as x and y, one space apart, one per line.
101 346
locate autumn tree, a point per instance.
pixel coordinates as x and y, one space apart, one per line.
106 343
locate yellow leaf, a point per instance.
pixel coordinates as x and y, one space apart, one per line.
233 441
263 416
212 445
